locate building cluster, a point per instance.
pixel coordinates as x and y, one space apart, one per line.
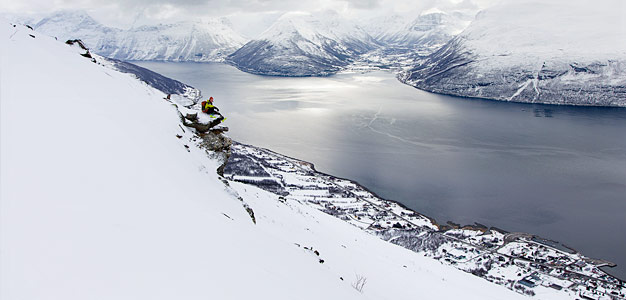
522 262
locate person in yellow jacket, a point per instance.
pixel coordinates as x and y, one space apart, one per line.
212 110
209 108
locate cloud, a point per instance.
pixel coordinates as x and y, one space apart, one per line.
249 16
364 4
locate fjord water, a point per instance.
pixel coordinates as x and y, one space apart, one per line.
555 171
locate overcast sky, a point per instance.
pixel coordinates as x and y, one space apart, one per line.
248 16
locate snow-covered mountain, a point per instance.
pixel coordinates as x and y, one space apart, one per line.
302 44
105 194
210 40
380 26
428 32
184 41
70 25
560 52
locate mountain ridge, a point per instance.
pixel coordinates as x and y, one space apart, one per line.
304 45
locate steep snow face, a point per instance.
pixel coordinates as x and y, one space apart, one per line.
210 40
302 44
429 31
380 26
562 52
105 195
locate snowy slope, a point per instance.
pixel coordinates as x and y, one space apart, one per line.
380 26
208 40
188 94
101 200
302 44
561 52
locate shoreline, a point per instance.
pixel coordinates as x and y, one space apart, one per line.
443 228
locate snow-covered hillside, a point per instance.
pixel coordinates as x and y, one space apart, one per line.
426 33
560 52
210 40
184 41
164 84
302 44
106 195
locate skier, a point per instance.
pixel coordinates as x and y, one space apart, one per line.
211 110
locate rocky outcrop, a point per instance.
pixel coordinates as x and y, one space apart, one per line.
202 126
84 51
217 146
210 136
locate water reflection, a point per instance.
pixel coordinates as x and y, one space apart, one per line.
543 112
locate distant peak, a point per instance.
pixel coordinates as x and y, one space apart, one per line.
432 11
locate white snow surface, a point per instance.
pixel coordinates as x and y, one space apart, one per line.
101 200
532 31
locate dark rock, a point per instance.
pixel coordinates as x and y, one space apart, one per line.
251 214
217 146
79 42
191 116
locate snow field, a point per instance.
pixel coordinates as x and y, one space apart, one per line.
101 200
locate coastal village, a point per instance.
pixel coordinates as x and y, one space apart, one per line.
521 262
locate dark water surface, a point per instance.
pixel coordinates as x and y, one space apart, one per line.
555 171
